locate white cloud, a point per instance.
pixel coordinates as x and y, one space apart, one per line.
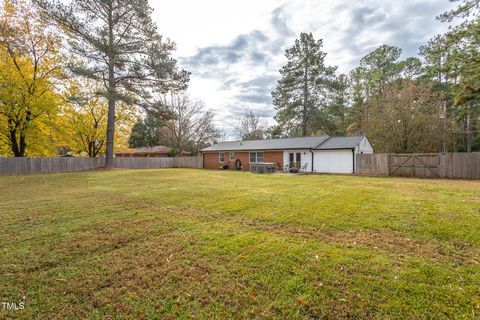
234 49
195 24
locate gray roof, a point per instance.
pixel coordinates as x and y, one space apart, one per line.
154 149
271 144
340 143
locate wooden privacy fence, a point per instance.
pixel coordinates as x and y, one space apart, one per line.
426 165
48 165
58 165
154 163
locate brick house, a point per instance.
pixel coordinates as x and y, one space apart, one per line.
313 154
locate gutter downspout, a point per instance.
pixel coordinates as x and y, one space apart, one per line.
311 151
353 152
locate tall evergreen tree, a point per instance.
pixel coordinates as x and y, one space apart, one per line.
146 133
381 66
333 119
468 9
465 63
411 68
378 69
453 61
359 108
435 53
304 85
121 47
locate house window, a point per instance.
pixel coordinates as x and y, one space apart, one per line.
231 156
259 156
221 157
256 157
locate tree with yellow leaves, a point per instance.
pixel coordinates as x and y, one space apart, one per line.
30 64
85 117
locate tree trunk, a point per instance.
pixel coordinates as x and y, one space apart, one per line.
23 144
17 147
469 133
110 124
13 141
445 143
111 97
305 99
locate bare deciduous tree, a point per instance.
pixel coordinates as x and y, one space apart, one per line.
251 127
192 126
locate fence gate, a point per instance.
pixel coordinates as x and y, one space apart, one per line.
414 165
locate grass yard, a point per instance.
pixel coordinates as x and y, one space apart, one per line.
180 243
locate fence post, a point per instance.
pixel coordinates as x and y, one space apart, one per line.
413 165
388 164
441 165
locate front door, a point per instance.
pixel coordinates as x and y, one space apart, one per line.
294 159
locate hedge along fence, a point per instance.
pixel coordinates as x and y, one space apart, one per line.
59 165
431 165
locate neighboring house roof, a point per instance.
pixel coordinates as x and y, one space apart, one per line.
340 143
270 144
316 143
155 149
150 150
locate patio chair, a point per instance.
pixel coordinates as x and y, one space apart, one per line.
286 168
304 168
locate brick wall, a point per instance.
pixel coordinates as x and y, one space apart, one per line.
210 160
274 156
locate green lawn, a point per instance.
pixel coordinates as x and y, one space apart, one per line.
179 243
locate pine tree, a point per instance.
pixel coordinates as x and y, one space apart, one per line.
121 47
146 133
453 60
380 67
467 9
333 118
359 123
304 85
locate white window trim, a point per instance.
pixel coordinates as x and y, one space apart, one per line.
220 158
250 157
263 156
256 157
231 156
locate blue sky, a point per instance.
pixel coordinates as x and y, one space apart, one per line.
234 49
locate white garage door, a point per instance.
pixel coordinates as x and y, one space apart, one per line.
334 161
